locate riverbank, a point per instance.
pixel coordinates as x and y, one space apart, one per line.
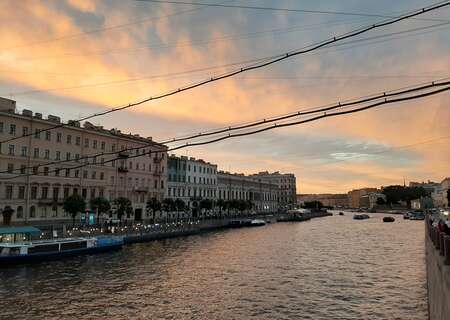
437 248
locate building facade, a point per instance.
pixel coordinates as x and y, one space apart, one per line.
354 197
191 179
328 200
287 185
263 194
48 162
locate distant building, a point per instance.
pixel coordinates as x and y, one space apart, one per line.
442 194
191 179
354 197
371 199
329 200
38 191
263 194
287 185
422 203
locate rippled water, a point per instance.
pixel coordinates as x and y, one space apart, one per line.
328 268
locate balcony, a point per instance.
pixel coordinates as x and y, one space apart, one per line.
122 169
124 154
157 160
141 189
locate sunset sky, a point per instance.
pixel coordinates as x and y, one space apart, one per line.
76 57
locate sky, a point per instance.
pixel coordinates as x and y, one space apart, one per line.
76 57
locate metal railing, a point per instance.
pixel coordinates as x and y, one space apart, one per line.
440 240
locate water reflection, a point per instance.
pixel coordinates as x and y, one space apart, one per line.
328 268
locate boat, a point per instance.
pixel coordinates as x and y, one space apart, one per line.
406 216
361 216
388 219
257 223
416 216
17 246
341 213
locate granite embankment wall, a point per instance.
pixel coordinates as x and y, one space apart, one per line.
437 247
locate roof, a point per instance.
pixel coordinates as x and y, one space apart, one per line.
11 230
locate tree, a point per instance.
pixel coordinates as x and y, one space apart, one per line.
206 204
395 194
155 205
381 201
73 205
448 197
312 205
7 213
221 204
123 207
100 205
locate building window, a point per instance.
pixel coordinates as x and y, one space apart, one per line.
67 155
32 212
102 175
58 137
22 169
48 135
66 192
36 152
69 139
11 150
55 193
77 141
85 174
10 167
12 129
45 171
103 145
9 192
95 142
1 127
19 212
57 172
35 170
47 154
58 155
24 151
44 194
94 175
86 142
33 192
92 193
21 194
25 131
67 173
37 133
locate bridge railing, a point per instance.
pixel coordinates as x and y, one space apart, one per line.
440 239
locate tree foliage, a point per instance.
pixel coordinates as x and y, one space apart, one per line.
123 207
395 194
7 213
168 204
180 205
73 205
100 204
312 205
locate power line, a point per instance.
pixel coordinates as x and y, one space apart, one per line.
266 122
264 62
203 4
229 136
435 27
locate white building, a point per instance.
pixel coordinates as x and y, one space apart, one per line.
35 188
191 179
287 184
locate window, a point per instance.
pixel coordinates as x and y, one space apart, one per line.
94 175
10 167
33 192
58 155
84 193
36 152
92 193
67 173
67 155
95 142
32 212
102 176
156 184
113 147
85 174
58 137
9 192
69 139
77 141
45 171
77 157
86 142
77 173
37 133
12 129
1 127
55 193
11 150
47 154
103 145
162 184
57 172
24 151
44 193
35 170
48 135
66 192
24 131
19 212
22 169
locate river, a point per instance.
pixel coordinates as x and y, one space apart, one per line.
327 268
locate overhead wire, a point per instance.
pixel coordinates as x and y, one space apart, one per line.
264 62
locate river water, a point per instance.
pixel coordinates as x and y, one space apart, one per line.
327 268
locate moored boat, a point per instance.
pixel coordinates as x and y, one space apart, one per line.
361 216
14 249
257 223
388 219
